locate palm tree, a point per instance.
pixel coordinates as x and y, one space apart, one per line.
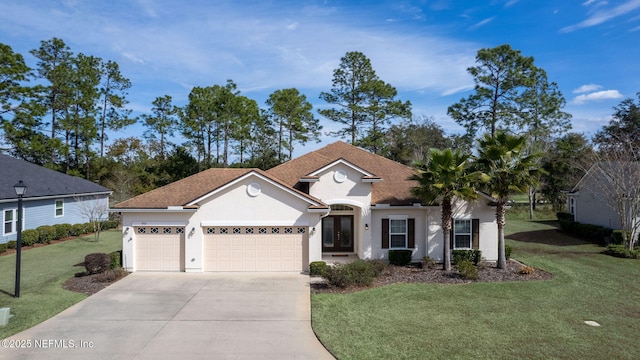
509 169
445 177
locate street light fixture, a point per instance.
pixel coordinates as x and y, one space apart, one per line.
20 189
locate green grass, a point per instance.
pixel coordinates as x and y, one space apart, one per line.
44 270
532 320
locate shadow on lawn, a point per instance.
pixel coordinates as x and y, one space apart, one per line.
553 237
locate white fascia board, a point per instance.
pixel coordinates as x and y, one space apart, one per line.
25 199
402 207
158 223
254 223
247 175
372 180
153 210
344 162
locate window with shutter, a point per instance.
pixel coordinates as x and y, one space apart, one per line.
398 233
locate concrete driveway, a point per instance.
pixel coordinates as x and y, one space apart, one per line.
181 316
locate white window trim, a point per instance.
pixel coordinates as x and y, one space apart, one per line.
404 218
55 208
14 222
470 233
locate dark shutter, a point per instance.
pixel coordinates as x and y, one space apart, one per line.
385 233
475 233
411 224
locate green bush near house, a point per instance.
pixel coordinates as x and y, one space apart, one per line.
357 273
622 251
467 270
47 234
564 216
110 224
11 244
474 256
585 231
77 230
3 248
507 251
30 237
116 259
378 266
62 230
400 257
317 268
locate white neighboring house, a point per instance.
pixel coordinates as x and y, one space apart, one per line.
594 199
337 201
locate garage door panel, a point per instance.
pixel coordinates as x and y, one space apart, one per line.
257 249
159 250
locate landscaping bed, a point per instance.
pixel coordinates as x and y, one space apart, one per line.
91 284
487 272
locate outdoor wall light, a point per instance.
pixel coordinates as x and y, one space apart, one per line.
366 226
193 231
126 230
313 229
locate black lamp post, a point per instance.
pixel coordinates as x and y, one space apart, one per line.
20 189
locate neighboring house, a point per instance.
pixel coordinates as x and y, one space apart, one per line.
51 197
592 199
335 201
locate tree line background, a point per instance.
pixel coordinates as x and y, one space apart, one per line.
59 114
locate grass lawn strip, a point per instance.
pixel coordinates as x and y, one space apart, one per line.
531 320
44 270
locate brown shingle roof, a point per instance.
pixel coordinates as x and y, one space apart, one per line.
185 191
395 189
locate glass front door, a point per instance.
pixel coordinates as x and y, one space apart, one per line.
337 233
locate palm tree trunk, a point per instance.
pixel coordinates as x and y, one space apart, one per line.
446 229
502 260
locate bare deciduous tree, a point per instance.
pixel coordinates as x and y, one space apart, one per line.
94 209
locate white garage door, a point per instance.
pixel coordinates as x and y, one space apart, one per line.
255 248
159 248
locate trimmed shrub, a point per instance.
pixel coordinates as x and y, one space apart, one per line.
378 266
622 251
76 230
62 230
564 216
475 256
467 270
88 227
507 251
30 237
585 231
617 238
400 257
317 268
3 248
110 224
97 263
357 273
116 259
47 233
11 244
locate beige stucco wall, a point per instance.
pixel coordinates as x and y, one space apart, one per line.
353 192
273 206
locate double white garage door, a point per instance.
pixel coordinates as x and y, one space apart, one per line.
249 248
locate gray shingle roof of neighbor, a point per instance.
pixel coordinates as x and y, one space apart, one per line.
41 181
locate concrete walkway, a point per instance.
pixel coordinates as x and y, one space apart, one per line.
182 316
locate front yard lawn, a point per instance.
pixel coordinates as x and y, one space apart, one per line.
44 270
532 320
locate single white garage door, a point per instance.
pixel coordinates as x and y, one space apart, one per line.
159 248
255 248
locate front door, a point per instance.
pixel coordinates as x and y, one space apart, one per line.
337 233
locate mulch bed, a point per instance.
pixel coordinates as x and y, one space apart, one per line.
91 284
487 272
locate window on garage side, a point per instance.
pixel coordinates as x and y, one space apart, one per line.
59 208
465 234
398 233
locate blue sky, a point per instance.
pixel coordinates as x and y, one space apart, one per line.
423 48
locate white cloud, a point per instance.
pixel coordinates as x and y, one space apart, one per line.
482 23
600 16
597 96
587 88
